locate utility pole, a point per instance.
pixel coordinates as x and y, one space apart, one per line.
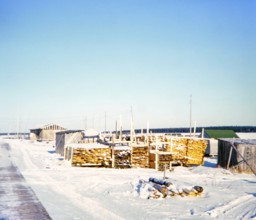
85 123
105 122
190 115
132 122
121 124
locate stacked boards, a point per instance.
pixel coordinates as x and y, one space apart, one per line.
160 155
140 156
89 155
122 157
100 155
178 150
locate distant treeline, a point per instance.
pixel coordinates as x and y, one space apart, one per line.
245 129
15 133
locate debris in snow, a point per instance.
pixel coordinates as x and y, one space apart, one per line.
157 188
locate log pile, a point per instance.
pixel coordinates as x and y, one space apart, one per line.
157 188
91 157
140 157
122 158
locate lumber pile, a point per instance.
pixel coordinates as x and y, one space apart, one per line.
91 157
178 146
152 160
195 151
156 188
178 150
140 157
164 161
122 158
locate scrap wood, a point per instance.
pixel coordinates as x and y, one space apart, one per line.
157 188
160 182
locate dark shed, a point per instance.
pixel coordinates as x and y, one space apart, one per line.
237 154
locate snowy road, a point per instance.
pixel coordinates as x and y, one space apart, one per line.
17 199
99 193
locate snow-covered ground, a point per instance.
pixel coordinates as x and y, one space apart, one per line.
100 193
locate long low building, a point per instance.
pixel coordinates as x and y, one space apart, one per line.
45 133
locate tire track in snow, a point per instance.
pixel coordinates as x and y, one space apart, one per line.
243 207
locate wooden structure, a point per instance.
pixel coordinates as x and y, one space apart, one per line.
45 133
237 154
176 150
67 137
152 151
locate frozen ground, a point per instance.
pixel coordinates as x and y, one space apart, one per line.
98 193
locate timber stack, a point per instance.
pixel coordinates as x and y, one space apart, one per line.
178 147
177 150
122 158
195 152
140 156
87 155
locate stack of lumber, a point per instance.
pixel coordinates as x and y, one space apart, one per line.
178 146
91 157
195 151
140 157
122 158
152 160
178 150
164 161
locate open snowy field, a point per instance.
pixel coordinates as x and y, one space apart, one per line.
100 193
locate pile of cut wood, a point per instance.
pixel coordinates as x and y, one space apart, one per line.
122 158
140 157
178 147
91 157
157 188
185 151
195 151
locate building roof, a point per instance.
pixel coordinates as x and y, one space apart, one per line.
216 134
55 126
90 133
240 141
68 131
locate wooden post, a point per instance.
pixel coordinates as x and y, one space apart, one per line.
113 156
229 157
156 159
171 145
113 152
131 149
121 124
195 129
203 133
164 171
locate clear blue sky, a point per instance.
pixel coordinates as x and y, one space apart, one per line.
69 62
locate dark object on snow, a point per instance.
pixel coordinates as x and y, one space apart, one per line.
160 182
199 189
